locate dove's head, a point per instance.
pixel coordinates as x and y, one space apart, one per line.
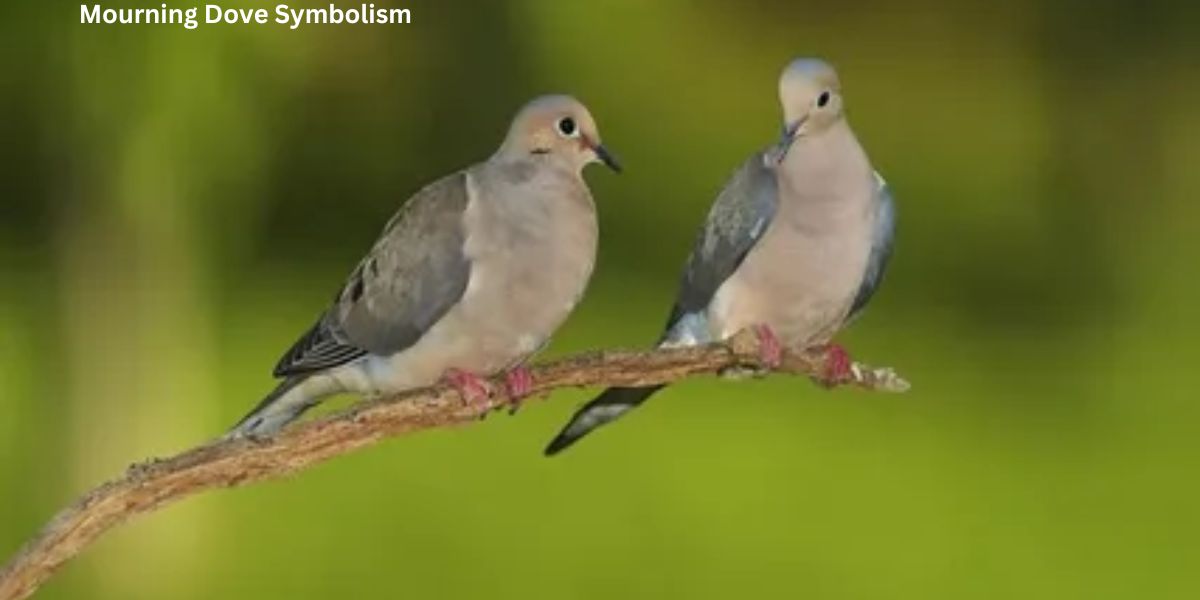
811 96
559 129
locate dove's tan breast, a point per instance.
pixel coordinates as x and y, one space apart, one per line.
802 276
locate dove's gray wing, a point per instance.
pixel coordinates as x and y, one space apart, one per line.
415 273
739 217
881 247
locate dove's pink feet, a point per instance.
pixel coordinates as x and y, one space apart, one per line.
838 365
518 382
474 389
770 350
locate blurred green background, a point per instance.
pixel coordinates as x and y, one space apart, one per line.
179 205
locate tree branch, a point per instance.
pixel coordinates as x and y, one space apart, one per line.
155 483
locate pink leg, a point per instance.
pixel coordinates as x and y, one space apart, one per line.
474 389
837 365
770 350
518 382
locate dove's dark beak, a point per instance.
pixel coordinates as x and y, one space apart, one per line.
790 132
606 157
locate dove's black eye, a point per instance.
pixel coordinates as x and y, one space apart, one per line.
566 126
823 99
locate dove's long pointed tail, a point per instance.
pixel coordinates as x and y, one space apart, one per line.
283 405
606 408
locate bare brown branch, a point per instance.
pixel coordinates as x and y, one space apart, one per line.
154 483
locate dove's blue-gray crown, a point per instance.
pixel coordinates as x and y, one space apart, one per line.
811 70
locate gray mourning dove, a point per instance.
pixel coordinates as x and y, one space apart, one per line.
794 246
469 278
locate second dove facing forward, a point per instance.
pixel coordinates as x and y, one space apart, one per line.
794 246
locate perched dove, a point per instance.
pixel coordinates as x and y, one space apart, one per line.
794 246
469 278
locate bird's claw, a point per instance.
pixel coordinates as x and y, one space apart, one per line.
518 382
839 368
474 390
770 349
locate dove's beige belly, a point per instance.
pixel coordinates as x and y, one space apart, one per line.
801 282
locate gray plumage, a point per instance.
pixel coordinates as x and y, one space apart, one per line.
881 248
797 241
472 274
736 222
410 278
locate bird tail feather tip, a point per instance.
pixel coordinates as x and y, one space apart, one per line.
277 409
606 408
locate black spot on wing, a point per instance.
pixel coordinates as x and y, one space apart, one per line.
356 289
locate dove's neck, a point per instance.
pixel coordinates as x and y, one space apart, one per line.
536 182
521 166
825 166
